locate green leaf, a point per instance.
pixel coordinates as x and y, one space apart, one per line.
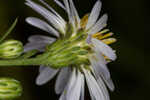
9 30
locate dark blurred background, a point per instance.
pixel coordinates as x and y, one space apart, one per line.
128 19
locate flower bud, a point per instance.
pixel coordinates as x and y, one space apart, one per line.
9 89
10 49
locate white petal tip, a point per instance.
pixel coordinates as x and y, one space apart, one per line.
39 82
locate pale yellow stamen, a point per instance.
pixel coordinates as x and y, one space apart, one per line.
104 31
106 35
96 35
109 40
100 36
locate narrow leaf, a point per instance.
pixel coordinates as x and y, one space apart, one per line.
9 30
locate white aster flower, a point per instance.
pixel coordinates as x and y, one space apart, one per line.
86 35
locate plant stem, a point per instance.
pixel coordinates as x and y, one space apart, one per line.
21 62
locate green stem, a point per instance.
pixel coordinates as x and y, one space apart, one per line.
20 62
38 60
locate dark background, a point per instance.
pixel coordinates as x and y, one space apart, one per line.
128 19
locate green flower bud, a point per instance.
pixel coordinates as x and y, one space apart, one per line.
11 49
9 89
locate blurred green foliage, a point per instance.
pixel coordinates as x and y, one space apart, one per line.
128 19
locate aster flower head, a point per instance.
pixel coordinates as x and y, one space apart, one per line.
79 52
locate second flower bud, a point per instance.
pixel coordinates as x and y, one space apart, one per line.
11 49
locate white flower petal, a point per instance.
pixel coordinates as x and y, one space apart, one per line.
40 46
103 88
110 84
60 4
70 16
38 42
71 82
41 68
100 69
41 38
50 8
100 24
82 88
75 13
74 90
67 7
53 19
46 75
105 72
94 14
104 49
62 79
42 25
93 86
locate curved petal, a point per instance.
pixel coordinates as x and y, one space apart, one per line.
75 13
103 88
50 8
62 79
60 4
38 42
110 84
70 12
74 90
100 69
82 88
49 16
41 68
40 46
104 49
46 75
41 38
100 24
42 25
94 14
93 86
71 82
